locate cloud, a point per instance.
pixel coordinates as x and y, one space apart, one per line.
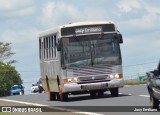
60 12
55 13
152 9
129 5
10 8
95 14
20 37
20 12
14 4
141 47
148 22
25 45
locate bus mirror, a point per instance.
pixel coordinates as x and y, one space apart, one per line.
120 39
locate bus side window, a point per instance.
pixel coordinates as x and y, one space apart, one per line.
49 47
52 42
40 48
53 47
44 48
55 50
47 40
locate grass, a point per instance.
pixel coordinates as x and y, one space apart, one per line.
134 82
6 114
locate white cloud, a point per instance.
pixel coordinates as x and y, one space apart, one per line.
92 13
20 12
129 5
151 9
146 23
54 13
142 45
20 37
10 8
59 13
150 15
14 4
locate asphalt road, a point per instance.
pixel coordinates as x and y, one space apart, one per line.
136 96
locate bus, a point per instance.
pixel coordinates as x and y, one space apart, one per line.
81 57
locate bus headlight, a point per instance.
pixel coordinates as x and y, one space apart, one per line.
117 76
111 76
70 80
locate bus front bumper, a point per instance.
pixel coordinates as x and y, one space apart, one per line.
72 87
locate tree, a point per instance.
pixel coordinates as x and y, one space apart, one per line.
9 76
6 53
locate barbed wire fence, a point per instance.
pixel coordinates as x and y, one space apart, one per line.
136 70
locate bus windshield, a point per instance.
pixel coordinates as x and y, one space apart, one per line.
90 50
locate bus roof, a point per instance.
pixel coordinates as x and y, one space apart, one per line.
56 30
87 23
48 32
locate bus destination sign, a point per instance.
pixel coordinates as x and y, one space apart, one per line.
67 31
88 30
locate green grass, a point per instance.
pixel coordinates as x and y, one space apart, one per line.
134 82
6 114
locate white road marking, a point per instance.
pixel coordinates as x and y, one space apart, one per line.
144 95
21 102
58 108
125 94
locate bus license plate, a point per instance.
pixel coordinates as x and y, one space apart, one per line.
92 87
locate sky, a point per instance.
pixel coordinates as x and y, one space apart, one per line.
21 21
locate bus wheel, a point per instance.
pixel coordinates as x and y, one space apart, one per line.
52 96
114 92
93 94
62 96
100 93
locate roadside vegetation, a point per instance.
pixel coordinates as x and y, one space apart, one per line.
9 76
6 114
134 82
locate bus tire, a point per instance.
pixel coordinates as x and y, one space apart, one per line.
114 92
58 97
100 93
52 96
61 95
64 97
93 94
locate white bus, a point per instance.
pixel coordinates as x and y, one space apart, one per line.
82 57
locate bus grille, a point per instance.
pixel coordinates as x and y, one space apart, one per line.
94 73
90 78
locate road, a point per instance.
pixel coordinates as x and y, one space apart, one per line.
128 96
